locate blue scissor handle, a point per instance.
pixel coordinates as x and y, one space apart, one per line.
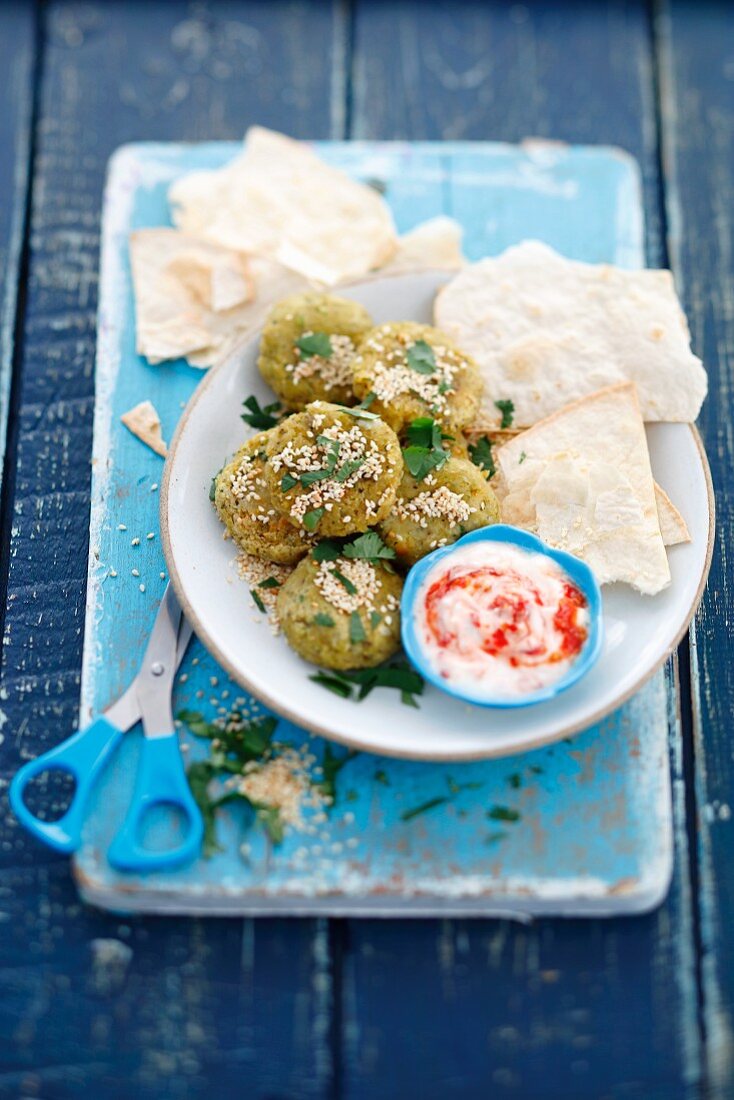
161 780
83 756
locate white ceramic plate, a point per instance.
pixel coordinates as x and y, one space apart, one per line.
640 631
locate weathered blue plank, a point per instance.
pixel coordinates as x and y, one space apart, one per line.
697 70
167 1008
17 65
484 1008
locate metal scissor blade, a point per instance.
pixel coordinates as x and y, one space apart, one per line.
164 652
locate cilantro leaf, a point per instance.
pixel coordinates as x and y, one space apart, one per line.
315 343
407 815
326 550
369 547
507 408
311 519
257 599
258 417
269 582
420 461
421 358
350 587
321 618
356 629
332 683
481 455
349 468
375 619
287 482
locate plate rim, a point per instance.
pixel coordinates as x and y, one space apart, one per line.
348 741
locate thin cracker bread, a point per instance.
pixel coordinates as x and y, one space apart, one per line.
546 330
199 300
278 199
144 422
673 527
435 243
581 480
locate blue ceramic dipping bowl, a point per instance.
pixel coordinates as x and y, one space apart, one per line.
577 570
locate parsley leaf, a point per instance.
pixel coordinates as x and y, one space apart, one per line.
349 468
257 599
503 813
312 518
522 458
481 455
356 629
350 587
360 411
332 765
213 486
332 683
421 358
326 550
399 675
407 815
369 547
316 343
420 461
507 408
258 417
287 482
321 618
269 582
375 619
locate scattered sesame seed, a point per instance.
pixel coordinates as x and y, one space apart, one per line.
121 527
142 587
135 542
154 486
150 535
135 572
113 572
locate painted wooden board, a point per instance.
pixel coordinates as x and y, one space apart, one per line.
495 836
697 81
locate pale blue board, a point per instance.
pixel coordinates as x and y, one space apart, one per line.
594 834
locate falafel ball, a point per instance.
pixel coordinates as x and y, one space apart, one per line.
414 371
244 504
448 503
333 626
333 472
308 346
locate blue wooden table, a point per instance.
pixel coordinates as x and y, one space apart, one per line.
630 1008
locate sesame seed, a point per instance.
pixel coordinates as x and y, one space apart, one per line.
135 572
121 527
135 542
142 587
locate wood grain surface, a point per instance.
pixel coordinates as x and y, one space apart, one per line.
638 1007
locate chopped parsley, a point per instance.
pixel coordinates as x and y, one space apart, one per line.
507 408
349 468
369 547
381 777
398 675
421 358
332 765
361 411
515 780
213 486
356 629
481 455
349 585
375 619
257 599
316 343
322 618
326 550
503 813
261 418
423 808
311 519
269 582
287 482
522 458
425 451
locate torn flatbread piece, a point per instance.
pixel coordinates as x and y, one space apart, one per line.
546 330
199 300
144 422
673 527
434 244
278 199
581 480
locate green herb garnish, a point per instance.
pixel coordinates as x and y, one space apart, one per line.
421 357
423 808
287 482
398 675
332 765
481 455
421 461
356 629
258 600
332 683
213 486
350 587
375 619
312 518
269 582
258 417
503 813
321 618
316 343
515 780
369 547
425 451
507 408
326 550
522 458
381 777
349 468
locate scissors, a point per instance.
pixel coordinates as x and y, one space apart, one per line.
161 778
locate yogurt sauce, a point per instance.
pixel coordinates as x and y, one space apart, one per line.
500 619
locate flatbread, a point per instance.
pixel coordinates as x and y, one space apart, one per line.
144 422
581 480
432 244
278 199
199 300
546 330
673 527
